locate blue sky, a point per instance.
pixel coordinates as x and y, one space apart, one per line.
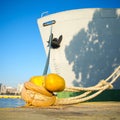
22 53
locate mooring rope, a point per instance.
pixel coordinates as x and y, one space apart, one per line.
90 92
38 96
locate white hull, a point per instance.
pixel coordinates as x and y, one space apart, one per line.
90 48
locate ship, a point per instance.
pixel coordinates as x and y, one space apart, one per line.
82 45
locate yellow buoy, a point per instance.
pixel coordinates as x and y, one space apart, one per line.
54 82
38 80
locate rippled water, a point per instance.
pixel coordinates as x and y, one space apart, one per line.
11 103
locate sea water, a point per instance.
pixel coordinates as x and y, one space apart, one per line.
11 103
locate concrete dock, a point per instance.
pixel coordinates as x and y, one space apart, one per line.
82 111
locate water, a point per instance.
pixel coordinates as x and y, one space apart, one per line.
11 103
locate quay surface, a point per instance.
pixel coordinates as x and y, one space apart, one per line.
83 111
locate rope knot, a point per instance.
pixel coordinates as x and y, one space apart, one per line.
103 83
37 95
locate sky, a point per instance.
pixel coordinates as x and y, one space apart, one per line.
22 53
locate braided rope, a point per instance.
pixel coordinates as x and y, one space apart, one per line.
89 92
